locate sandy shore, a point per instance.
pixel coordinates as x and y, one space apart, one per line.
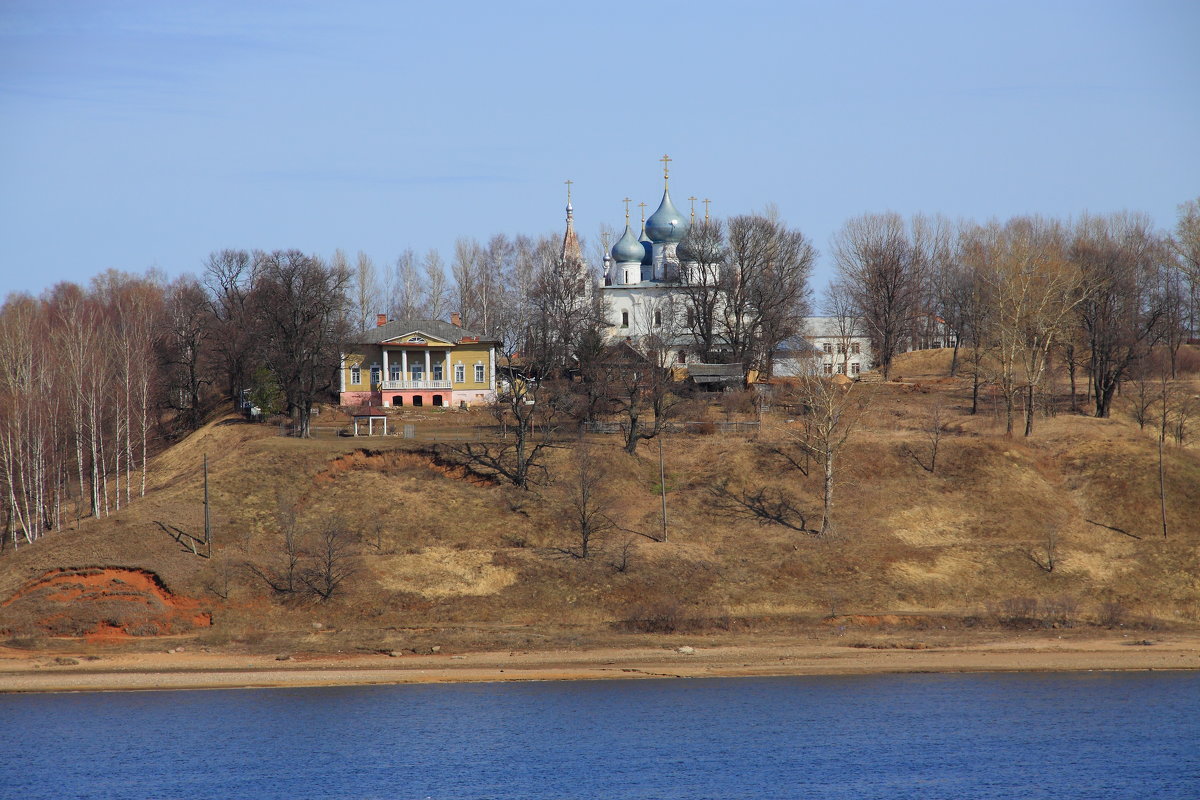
97 670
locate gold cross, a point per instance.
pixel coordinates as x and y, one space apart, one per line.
568 183
706 202
693 199
666 162
643 207
626 201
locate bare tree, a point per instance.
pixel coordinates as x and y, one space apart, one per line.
883 270
586 503
302 311
185 348
1186 243
332 562
1119 260
229 281
367 301
436 304
835 409
765 288
703 256
526 406
1036 290
408 299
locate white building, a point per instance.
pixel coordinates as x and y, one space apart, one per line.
643 286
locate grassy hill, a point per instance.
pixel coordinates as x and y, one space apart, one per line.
1059 529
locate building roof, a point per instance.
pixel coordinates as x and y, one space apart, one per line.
715 373
398 327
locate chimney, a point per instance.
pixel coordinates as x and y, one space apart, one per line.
380 320
456 319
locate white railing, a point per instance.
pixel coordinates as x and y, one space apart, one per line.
393 386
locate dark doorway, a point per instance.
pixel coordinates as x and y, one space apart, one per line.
437 399
417 400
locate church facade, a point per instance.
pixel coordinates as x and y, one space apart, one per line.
645 279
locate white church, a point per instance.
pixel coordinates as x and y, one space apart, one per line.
643 285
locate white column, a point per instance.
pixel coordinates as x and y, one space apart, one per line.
404 364
428 371
386 374
341 374
492 366
446 368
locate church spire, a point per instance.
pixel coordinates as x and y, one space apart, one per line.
572 253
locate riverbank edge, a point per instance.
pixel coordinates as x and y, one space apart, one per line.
23 672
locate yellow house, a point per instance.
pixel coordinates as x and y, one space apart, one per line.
420 362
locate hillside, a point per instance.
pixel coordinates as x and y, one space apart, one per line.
1061 529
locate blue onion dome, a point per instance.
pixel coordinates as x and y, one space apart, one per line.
667 225
648 247
628 248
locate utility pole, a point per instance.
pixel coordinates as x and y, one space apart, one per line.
662 483
207 523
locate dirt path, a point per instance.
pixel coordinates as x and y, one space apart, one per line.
22 672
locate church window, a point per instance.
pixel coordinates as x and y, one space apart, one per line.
657 319
460 373
855 348
355 375
624 319
479 373
691 318
681 357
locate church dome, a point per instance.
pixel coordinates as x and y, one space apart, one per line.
628 248
648 247
666 225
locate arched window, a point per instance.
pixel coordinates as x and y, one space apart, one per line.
624 319
355 375
657 319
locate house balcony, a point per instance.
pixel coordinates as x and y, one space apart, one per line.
400 386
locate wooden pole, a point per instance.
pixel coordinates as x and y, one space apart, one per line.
207 523
662 482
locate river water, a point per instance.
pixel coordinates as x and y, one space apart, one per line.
966 737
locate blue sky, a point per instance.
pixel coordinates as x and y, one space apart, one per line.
147 134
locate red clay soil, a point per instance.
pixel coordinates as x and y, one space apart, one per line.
101 603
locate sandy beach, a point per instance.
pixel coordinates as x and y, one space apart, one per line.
187 668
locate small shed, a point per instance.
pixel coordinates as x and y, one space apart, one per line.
370 415
716 377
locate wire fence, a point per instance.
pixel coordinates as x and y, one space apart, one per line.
480 433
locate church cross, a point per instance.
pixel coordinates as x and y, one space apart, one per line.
568 182
642 206
706 202
626 201
666 162
693 199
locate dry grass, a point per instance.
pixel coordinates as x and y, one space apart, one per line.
437 549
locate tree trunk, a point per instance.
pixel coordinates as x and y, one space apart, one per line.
827 512
1029 410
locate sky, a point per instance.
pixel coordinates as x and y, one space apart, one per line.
138 135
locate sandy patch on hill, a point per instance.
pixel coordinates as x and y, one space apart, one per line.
444 572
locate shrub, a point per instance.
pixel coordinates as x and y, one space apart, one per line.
657 617
1112 613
